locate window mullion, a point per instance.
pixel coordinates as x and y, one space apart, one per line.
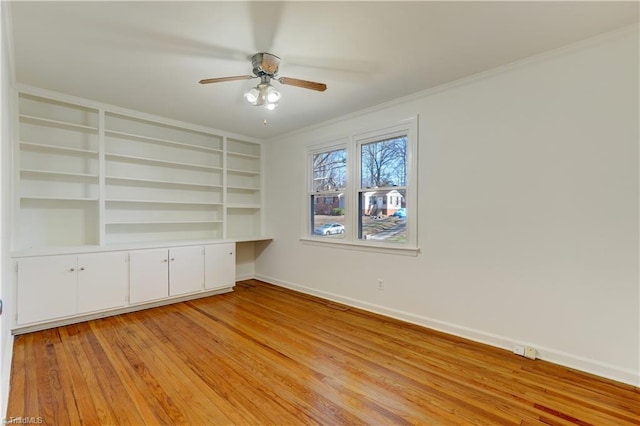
351 216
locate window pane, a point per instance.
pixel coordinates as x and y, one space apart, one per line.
328 215
330 170
383 215
384 163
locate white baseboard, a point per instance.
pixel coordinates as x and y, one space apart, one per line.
245 277
547 354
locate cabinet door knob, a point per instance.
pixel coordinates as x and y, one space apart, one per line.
172 259
82 269
164 260
72 270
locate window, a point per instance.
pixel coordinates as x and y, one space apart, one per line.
382 192
363 191
327 192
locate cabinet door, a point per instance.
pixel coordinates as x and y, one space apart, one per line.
186 270
219 265
102 281
47 288
148 275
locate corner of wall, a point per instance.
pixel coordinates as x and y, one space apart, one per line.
7 76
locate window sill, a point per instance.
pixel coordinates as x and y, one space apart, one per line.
361 246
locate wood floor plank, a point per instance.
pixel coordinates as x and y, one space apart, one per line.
19 378
121 372
87 393
353 363
237 353
265 355
226 388
366 350
544 393
189 402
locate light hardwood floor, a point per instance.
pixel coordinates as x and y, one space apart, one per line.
264 355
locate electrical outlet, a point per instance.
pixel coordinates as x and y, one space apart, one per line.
518 350
380 287
530 352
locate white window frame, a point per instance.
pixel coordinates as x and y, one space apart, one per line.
335 145
353 143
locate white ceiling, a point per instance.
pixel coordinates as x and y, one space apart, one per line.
149 56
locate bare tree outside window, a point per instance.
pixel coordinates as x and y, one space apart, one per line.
384 163
330 170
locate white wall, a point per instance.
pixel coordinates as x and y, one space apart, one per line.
528 211
245 257
6 289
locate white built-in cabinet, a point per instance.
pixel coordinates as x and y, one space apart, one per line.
91 174
115 209
219 266
47 288
149 276
186 270
159 273
51 287
102 281
64 287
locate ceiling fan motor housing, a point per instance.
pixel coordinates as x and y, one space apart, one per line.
265 64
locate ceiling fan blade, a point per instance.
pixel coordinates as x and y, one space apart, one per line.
320 87
221 79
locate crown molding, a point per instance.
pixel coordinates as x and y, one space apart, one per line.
503 69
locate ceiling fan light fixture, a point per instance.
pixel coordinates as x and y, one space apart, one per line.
271 94
253 96
263 94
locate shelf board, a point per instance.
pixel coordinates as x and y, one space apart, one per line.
240 154
242 188
160 182
54 174
243 206
160 141
44 198
156 161
59 149
200 203
164 222
58 124
243 172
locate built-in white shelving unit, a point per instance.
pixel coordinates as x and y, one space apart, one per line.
91 174
164 182
117 210
243 187
58 179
